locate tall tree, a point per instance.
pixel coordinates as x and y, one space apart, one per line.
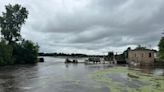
11 22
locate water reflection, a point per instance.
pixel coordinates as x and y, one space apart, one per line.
156 70
67 65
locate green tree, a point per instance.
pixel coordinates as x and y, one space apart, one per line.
26 52
11 22
161 48
5 53
13 48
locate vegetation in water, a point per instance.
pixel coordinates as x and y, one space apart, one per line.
131 80
13 48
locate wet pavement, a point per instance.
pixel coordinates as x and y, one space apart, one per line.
55 76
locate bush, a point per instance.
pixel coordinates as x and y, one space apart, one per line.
5 54
25 52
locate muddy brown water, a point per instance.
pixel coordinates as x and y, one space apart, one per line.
55 76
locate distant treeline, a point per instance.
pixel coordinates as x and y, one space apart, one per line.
71 55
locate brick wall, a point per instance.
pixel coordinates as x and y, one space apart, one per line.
141 56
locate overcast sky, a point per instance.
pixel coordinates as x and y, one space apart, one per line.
92 26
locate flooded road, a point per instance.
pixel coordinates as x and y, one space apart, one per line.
55 76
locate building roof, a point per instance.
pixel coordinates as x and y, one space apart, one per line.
143 49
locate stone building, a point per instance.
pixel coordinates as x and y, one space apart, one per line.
141 56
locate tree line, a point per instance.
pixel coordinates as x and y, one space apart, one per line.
69 55
13 48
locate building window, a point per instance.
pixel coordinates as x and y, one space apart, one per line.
149 54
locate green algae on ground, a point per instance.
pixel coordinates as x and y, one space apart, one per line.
142 82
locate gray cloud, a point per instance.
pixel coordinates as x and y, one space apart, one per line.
92 26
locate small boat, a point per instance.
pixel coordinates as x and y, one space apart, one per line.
71 61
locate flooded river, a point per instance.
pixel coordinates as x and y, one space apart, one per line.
55 76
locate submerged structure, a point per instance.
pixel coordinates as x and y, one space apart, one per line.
141 56
93 60
110 58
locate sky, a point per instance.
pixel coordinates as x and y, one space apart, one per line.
92 26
